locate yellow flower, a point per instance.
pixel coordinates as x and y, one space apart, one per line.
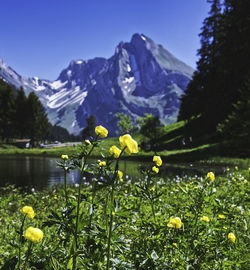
175 223
87 142
120 175
249 169
64 156
101 131
234 179
55 197
221 216
236 168
245 181
33 234
211 176
129 144
155 169
114 151
157 160
231 237
102 163
28 211
174 244
205 218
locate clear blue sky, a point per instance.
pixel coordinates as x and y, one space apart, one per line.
40 37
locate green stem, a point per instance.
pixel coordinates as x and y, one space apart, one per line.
84 161
111 210
90 217
20 242
28 254
65 187
153 210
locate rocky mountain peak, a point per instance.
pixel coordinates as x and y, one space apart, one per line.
141 77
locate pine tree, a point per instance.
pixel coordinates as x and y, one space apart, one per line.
7 111
237 124
194 101
223 65
89 130
37 121
21 114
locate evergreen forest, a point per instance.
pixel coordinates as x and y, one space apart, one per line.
24 117
216 103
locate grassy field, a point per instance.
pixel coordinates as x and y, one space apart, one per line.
211 229
120 223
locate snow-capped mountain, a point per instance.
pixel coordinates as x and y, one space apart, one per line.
141 77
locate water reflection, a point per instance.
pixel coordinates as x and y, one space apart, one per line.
42 172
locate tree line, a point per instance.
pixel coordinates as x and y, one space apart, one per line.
217 99
25 117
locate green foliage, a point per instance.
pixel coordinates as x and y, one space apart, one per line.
223 65
38 125
20 116
237 124
125 124
7 110
89 130
110 223
61 134
150 127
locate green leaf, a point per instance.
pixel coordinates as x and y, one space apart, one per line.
70 264
54 263
10 264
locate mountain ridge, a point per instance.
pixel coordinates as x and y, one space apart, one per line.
141 77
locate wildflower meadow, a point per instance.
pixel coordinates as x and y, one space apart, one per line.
114 222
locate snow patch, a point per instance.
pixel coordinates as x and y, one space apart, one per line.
74 124
128 80
128 68
58 84
79 62
143 37
40 88
69 73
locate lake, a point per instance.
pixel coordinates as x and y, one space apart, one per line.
42 172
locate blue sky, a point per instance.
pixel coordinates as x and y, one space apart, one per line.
40 37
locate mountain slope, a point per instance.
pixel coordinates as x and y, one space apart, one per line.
141 77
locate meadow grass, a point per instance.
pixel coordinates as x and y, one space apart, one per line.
114 222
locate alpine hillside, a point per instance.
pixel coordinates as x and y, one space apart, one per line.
141 77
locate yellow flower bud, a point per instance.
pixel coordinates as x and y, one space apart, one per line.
155 169
129 144
157 160
231 237
205 218
33 234
120 175
64 156
221 216
211 176
114 151
175 223
236 168
102 163
87 142
28 211
101 131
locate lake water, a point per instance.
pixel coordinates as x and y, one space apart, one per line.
42 172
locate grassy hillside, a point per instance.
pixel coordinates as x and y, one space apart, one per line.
174 145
